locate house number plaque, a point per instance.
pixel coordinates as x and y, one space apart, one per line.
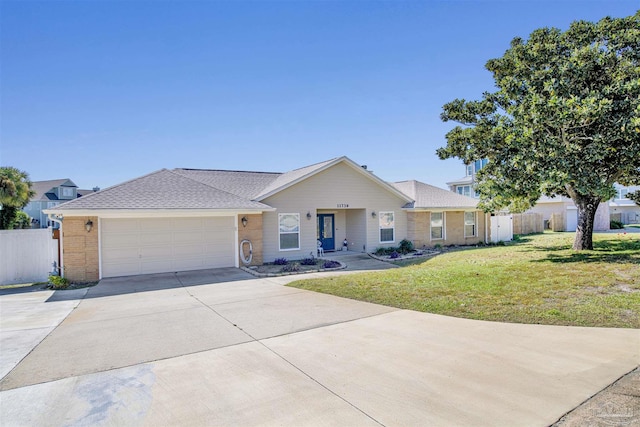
343 205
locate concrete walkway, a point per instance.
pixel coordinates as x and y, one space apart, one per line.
221 347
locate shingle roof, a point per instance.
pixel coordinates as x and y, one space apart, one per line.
42 187
244 184
427 196
163 189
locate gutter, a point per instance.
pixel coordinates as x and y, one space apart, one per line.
58 218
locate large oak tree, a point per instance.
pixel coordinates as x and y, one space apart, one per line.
564 119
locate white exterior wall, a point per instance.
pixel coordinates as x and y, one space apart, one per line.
26 255
327 192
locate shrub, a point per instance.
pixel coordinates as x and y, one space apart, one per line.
616 225
331 264
308 261
58 282
280 261
406 246
290 268
394 255
437 247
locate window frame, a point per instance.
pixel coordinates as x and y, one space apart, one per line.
474 225
67 192
431 226
381 215
280 232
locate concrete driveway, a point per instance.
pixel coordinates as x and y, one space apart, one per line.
221 347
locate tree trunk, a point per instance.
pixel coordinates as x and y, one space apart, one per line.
587 206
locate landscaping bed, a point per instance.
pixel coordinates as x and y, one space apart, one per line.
283 267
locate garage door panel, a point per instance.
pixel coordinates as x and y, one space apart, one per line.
119 240
123 226
155 245
155 239
123 268
155 252
121 255
155 225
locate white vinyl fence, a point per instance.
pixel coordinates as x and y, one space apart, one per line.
501 228
26 255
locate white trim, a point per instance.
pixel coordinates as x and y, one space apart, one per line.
444 226
280 233
154 213
393 228
475 224
99 249
236 245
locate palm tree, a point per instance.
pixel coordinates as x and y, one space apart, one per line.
15 193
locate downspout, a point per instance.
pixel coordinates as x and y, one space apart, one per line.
486 228
58 219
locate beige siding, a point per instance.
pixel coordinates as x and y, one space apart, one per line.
325 192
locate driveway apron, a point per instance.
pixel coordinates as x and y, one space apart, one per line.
221 347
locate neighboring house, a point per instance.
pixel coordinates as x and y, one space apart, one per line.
187 219
49 194
558 208
464 185
622 208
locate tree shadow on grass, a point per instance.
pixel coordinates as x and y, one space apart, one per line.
610 251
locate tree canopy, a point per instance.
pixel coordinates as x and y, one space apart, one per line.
15 193
564 119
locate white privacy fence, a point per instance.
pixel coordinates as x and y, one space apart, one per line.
26 255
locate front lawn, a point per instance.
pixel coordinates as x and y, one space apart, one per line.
538 279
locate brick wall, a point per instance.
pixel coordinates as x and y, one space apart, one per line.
419 229
80 249
253 233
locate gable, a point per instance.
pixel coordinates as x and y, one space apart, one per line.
351 173
339 186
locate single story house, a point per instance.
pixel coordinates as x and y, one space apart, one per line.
188 219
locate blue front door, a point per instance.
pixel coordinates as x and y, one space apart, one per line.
326 231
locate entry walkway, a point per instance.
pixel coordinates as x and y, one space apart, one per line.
221 347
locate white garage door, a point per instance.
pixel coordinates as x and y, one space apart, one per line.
160 245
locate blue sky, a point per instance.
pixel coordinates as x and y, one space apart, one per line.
104 91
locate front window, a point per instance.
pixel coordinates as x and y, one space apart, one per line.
289 230
469 224
52 204
386 222
67 192
437 225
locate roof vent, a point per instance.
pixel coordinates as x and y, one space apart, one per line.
364 167
96 189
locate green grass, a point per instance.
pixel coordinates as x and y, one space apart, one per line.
538 279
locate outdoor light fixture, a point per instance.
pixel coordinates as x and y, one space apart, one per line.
373 214
308 215
88 225
244 221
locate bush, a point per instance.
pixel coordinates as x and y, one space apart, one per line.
308 261
406 246
616 225
58 282
331 264
290 268
394 255
280 261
